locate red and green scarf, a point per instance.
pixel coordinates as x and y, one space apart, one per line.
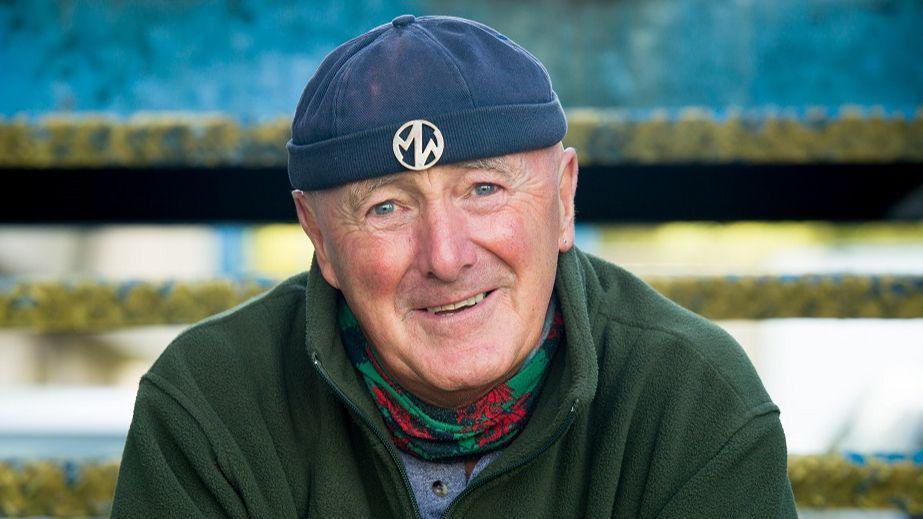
438 434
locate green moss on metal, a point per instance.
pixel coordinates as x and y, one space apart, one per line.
88 306
832 481
48 489
698 135
829 481
898 297
603 137
144 140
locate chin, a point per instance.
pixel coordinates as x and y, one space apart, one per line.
471 369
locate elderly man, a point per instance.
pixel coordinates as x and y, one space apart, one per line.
450 353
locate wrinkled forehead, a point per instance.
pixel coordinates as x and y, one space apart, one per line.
511 167
507 166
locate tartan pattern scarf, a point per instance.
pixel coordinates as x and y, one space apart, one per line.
439 434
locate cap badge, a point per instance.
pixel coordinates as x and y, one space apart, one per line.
425 154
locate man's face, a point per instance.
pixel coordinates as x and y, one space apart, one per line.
449 270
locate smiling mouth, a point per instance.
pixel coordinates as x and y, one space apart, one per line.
458 305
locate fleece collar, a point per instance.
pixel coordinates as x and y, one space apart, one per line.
571 380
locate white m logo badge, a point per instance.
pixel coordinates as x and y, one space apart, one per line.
425 155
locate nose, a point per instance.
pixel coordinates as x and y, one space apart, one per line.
446 249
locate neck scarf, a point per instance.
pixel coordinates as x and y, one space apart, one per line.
439 434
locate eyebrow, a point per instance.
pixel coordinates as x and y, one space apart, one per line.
490 163
358 194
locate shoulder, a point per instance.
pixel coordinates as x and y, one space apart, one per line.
675 388
244 342
636 324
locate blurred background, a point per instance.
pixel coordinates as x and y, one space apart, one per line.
759 162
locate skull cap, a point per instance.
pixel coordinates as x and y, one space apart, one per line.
417 92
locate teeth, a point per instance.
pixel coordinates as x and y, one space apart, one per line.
471 301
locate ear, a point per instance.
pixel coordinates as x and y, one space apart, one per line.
568 170
305 207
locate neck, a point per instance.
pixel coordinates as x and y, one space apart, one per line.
450 399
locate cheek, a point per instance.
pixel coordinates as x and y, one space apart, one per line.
379 262
525 233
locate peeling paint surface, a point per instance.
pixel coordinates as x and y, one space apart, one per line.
251 58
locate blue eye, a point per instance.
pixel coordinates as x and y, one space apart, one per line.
383 209
485 189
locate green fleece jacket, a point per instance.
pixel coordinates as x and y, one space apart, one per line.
649 411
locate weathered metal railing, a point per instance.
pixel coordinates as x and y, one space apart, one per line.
604 137
87 306
824 481
849 134
81 489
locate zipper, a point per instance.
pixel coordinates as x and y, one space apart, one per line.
480 482
389 446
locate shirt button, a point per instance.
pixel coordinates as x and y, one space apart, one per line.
440 488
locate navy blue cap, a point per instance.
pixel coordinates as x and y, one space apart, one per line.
418 92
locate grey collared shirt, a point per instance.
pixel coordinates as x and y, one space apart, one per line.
435 485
